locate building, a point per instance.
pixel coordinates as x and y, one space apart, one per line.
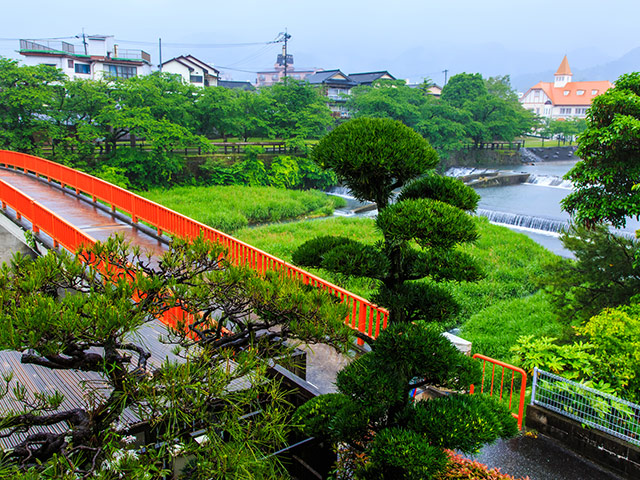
236 84
269 77
96 58
336 86
563 98
192 71
367 78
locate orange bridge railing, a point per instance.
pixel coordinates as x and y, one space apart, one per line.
364 316
501 381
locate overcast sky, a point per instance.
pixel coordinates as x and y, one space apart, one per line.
411 38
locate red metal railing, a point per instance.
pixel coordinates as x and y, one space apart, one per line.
363 316
493 387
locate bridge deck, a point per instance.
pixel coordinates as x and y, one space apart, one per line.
82 214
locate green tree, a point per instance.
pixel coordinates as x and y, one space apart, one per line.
373 157
605 179
495 114
295 109
383 432
387 99
83 312
604 273
27 94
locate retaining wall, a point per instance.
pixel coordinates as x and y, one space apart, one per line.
613 453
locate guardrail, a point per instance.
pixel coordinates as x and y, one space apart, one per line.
365 317
493 388
586 405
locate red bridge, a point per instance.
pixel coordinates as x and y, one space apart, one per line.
70 208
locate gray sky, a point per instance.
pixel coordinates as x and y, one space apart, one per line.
412 38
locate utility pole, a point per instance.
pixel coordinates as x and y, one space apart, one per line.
284 51
84 42
445 71
160 53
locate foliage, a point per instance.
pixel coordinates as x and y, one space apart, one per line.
232 207
84 312
26 95
609 359
563 128
296 110
461 468
374 156
603 274
384 432
605 179
495 114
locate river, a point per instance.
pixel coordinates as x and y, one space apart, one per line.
532 208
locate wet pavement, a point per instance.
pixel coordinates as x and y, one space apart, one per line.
540 458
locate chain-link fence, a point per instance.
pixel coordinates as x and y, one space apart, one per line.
586 405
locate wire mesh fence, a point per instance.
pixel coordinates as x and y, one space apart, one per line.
586 405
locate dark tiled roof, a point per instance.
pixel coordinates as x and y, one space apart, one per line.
325 77
236 84
367 78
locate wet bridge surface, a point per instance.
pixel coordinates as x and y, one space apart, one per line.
92 218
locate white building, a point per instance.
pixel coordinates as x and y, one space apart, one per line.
192 71
563 98
96 58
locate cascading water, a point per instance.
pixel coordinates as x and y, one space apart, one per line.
529 157
528 222
549 181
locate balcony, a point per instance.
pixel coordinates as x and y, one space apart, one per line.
47 46
129 54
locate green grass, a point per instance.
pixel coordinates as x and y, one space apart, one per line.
494 311
495 329
535 142
229 208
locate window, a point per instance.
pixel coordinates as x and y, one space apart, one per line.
594 92
567 92
546 110
261 78
560 79
120 71
196 78
565 111
274 77
70 63
83 68
579 92
581 111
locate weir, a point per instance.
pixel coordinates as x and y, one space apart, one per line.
524 221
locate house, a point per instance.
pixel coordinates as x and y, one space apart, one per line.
96 58
336 86
367 78
235 84
269 77
563 98
192 71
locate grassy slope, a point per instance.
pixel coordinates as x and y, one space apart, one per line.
233 207
495 310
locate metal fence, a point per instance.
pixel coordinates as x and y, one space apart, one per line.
586 405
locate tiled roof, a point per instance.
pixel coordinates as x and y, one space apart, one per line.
330 76
368 78
236 84
558 97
